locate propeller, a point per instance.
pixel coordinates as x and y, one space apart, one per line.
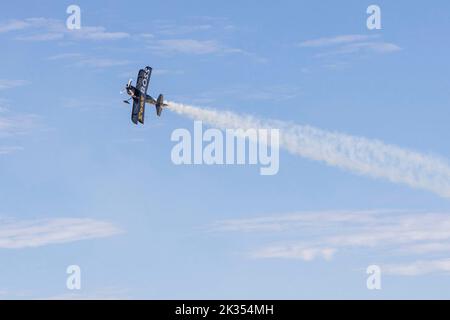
126 87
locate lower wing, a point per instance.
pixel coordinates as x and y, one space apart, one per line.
135 111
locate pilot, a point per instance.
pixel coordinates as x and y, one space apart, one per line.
131 92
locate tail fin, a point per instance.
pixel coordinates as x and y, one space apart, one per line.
159 105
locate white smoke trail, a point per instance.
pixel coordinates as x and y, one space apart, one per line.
357 154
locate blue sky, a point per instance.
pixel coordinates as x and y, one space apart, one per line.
81 185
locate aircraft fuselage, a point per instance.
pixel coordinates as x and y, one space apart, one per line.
131 91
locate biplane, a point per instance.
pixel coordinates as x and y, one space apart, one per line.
140 97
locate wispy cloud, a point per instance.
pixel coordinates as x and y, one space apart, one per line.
98 33
63 56
272 93
428 247
163 72
190 46
13 25
9 84
195 36
42 37
44 29
9 149
192 25
17 124
198 47
322 234
337 40
285 222
101 62
145 35
81 60
374 47
418 268
12 126
381 47
294 252
350 44
366 228
170 28
4 105
40 232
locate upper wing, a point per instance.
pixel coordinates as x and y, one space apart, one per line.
142 86
143 80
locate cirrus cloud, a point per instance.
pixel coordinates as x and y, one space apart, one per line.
423 237
17 234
